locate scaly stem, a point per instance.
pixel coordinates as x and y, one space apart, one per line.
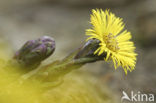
59 68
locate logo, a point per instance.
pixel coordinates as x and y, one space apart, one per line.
137 97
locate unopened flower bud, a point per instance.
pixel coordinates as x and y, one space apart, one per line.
35 51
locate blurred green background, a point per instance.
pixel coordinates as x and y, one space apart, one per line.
66 21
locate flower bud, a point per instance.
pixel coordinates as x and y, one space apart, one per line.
35 51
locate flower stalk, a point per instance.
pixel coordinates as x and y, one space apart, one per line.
73 61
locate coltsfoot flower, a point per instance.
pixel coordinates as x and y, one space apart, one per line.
114 39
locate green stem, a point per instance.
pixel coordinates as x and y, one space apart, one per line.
57 69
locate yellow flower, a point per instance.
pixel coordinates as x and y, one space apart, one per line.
114 39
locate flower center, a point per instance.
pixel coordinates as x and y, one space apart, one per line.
111 42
